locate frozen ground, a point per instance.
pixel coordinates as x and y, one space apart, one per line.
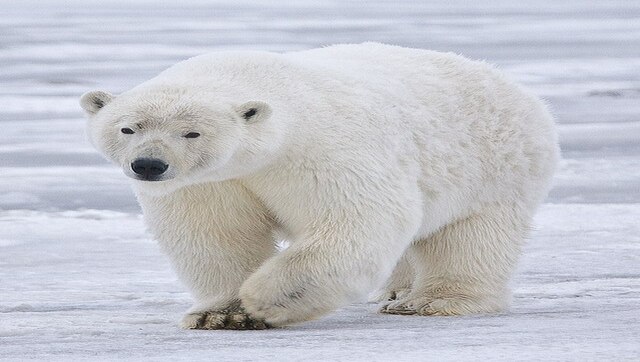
80 279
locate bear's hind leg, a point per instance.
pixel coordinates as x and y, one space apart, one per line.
465 267
399 284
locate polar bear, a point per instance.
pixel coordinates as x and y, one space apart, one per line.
411 170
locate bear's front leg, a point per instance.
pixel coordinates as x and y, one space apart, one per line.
335 262
216 235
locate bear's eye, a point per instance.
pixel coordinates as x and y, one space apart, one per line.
127 130
250 113
192 135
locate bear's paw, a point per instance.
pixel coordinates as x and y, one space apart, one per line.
237 319
443 306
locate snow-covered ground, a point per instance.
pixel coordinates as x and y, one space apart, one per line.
81 280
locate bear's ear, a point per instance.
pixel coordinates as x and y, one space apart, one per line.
93 101
253 111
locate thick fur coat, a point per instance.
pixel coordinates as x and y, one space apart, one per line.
409 169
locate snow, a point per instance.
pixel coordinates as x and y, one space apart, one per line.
80 279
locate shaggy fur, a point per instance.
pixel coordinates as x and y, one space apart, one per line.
367 158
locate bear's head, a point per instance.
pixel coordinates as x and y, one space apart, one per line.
168 138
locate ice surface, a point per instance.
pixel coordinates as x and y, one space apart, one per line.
81 280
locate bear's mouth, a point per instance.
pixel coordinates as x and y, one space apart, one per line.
149 178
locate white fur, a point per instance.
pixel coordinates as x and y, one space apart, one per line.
360 154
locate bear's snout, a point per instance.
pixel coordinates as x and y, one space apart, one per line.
149 169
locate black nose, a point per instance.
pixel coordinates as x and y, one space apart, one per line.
149 168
